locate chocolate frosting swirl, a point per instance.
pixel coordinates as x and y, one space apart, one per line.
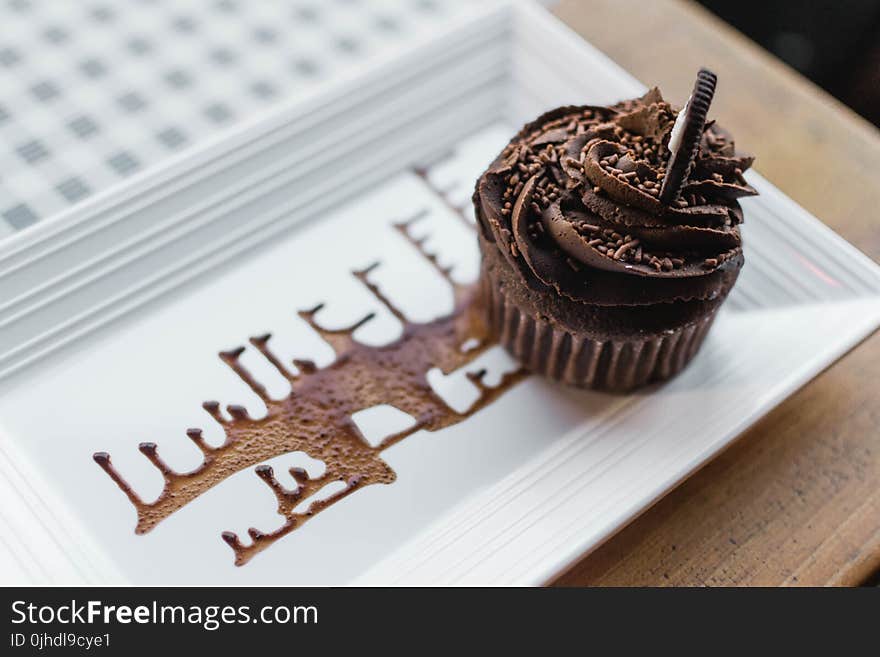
573 203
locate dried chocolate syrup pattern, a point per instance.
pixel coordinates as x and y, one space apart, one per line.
316 417
442 194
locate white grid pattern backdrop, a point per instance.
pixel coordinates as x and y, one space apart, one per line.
91 92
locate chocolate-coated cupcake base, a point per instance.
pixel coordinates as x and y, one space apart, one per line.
611 348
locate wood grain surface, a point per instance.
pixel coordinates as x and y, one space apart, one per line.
796 500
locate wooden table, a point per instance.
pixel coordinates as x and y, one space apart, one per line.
796 500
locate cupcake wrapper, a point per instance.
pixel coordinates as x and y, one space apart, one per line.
611 364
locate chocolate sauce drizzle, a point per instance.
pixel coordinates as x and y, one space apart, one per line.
457 211
316 417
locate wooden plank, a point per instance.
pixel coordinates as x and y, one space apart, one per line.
796 500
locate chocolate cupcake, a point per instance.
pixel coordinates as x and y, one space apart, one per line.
610 237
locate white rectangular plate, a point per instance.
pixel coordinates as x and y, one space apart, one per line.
111 318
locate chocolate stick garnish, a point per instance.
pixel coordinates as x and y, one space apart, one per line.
684 140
